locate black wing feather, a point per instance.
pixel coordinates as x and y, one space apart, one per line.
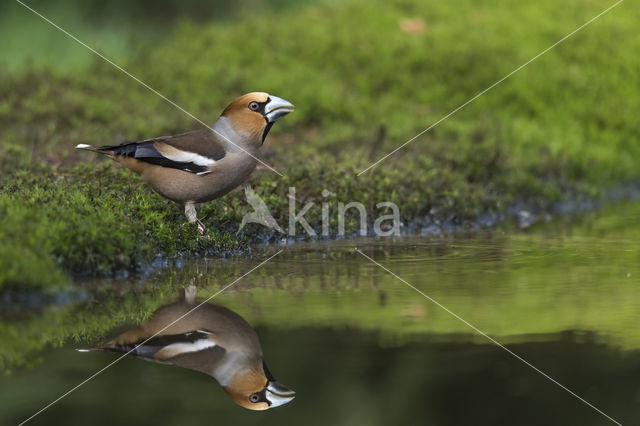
145 151
153 345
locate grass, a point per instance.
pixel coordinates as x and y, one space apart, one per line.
563 126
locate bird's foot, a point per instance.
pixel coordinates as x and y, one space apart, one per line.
190 293
202 229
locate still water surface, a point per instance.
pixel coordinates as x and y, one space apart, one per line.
357 345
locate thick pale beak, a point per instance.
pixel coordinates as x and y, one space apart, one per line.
276 108
278 394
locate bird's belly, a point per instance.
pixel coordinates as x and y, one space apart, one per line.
182 187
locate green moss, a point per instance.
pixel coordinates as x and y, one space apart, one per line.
563 125
92 219
102 218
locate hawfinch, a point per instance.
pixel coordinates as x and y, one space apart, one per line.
211 339
203 165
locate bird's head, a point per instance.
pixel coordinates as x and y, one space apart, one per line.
255 113
256 389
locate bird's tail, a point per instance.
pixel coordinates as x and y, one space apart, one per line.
99 150
88 349
106 347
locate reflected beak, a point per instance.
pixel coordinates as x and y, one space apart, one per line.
278 394
276 108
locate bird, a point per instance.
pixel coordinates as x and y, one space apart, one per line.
211 339
203 165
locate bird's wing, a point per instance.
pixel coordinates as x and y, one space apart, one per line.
195 350
193 152
162 347
203 142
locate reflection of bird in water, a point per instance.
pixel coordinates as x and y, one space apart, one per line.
213 340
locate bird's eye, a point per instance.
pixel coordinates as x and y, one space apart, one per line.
253 106
254 397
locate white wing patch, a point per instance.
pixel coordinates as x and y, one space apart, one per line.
175 154
176 349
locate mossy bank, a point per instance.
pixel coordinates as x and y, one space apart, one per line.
562 127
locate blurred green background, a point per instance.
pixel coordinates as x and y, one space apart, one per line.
351 67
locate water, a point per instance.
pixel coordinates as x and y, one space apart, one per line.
358 345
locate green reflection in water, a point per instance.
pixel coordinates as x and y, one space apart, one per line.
353 340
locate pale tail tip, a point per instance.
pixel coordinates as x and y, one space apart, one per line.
83 146
84 350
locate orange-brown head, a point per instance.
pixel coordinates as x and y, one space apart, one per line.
255 113
256 389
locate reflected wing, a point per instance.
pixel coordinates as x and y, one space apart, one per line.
194 350
165 347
